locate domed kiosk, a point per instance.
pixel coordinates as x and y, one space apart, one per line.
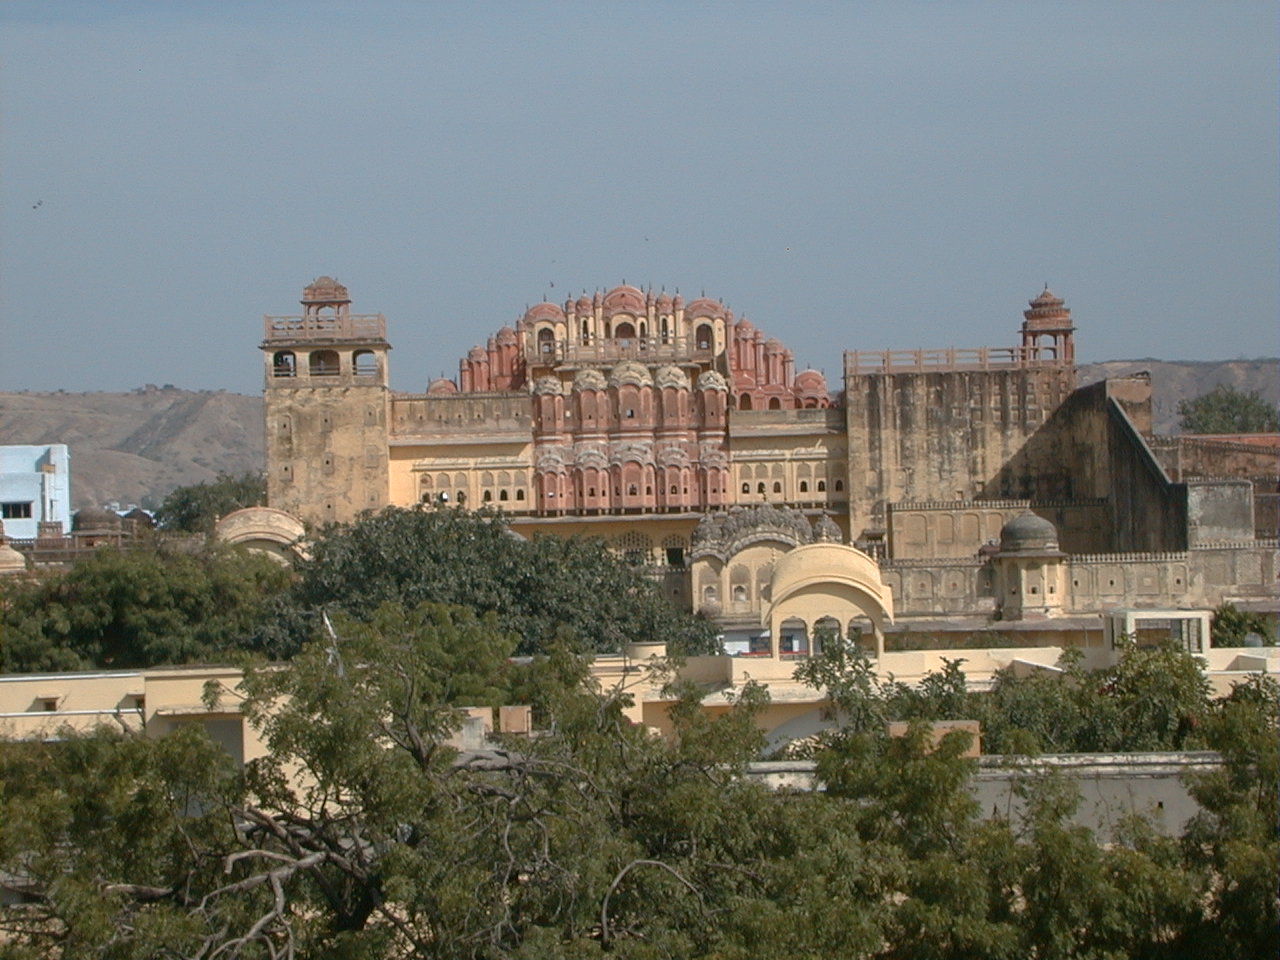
1030 577
1029 535
821 586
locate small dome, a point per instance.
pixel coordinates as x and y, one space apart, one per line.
811 382
1046 299
664 300
95 518
677 302
669 376
543 311
506 336
712 380
704 307
630 372
624 299
589 379
1028 533
441 386
548 385
477 354
744 328
773 345
583 305
140 519
1047 312
325 290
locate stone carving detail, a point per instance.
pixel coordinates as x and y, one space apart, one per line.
673 455
712 380
587 455
589 379
827 531
621 453
551 459
670 376
712 454
723 534
547 385
630 372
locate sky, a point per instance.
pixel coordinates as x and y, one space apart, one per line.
852 175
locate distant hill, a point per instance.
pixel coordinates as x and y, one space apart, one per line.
1175 380
135 447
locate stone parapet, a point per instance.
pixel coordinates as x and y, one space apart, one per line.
997 504
324 327
857 362
1137 557
907 563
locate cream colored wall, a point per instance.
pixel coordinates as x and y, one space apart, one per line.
174 696
155 701
657 717
474 467
941 588
749 569
83 702
956 529
779 447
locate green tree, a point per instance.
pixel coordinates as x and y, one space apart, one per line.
1235 839
539 589
363 833
119 846
1231 626
142 607
196 508
1225 409
1154 698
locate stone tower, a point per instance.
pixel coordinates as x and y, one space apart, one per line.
326 395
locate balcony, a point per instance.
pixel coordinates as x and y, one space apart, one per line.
646 350
359 327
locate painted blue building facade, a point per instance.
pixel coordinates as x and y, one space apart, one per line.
35 487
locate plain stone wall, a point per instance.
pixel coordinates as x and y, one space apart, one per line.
1111 786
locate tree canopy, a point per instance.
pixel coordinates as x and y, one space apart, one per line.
1153 698
538 588
196 508
157 604
364 834
1225 409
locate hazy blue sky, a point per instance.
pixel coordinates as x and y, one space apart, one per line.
847 175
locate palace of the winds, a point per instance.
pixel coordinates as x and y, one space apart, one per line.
971 503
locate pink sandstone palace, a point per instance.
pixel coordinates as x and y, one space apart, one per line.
687 440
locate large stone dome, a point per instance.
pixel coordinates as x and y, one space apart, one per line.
1028 533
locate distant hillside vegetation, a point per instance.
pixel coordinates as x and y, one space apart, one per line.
1174 380
135 447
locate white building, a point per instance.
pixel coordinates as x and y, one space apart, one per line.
35 487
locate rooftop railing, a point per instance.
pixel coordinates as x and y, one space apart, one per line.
951 358
604 351
351 326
